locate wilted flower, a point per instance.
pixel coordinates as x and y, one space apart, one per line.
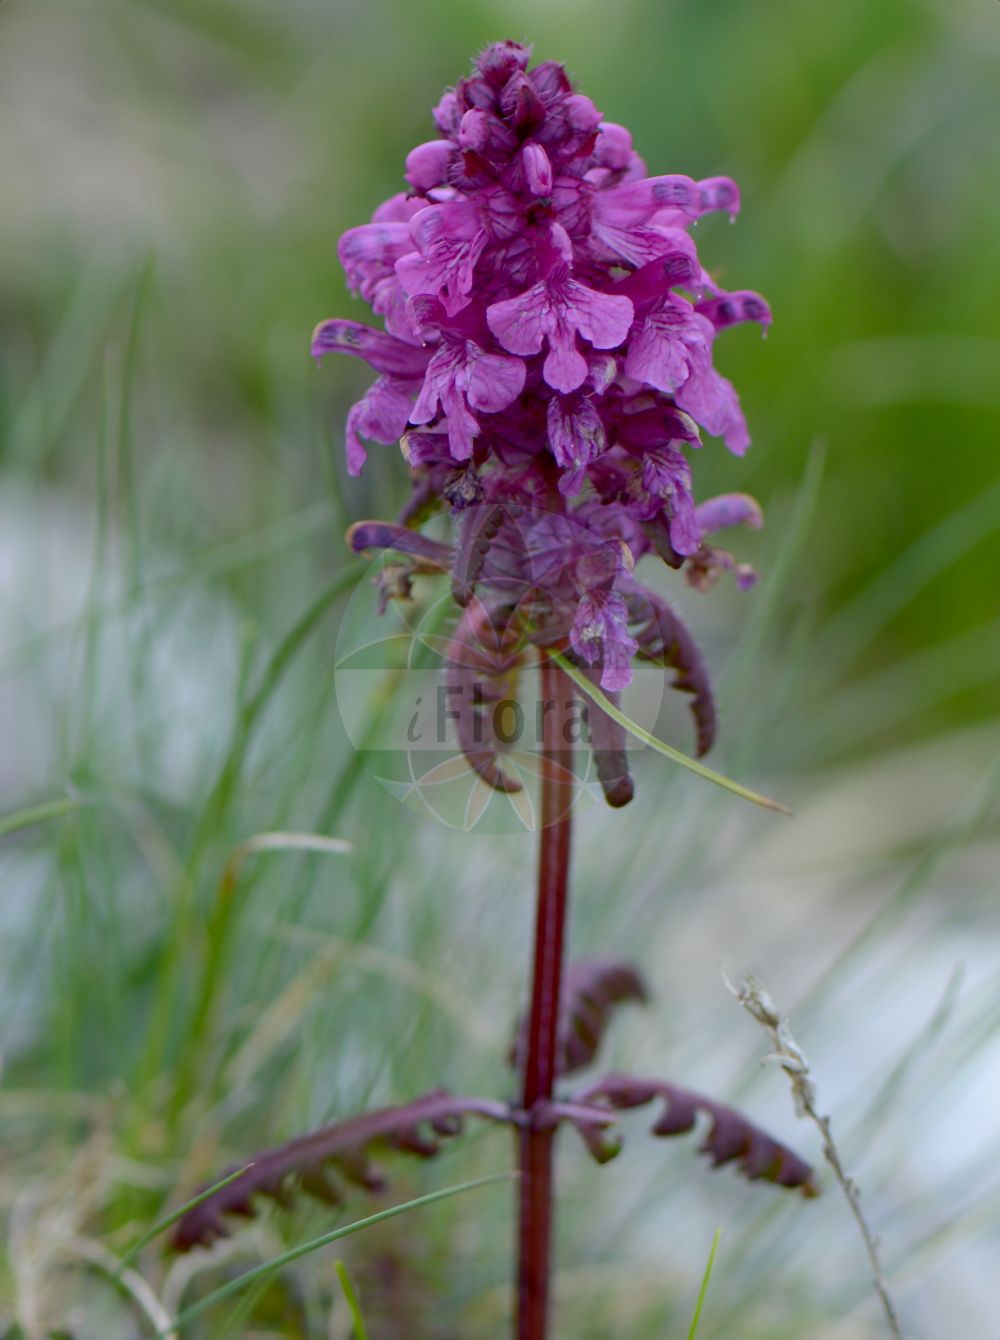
546 364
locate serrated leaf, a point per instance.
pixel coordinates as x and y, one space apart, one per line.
308 1161
731 1137
592 987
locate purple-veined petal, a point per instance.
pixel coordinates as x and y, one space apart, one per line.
636 202
381 351
675 265
381 414
600 634
666 479
371 251
557 310
711 399
668 343
727 309
491 381
460 375
576 437
449 239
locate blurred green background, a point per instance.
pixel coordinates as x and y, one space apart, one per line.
174 178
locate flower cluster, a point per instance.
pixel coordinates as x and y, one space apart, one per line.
547 362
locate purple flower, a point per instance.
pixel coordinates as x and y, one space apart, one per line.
547 363
555 311
600 635
447 241
460 379
665 486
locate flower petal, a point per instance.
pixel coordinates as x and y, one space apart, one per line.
449 239
576 437
381 351
381 414
727 309
491 381
729 509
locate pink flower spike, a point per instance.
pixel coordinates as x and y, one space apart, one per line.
547 356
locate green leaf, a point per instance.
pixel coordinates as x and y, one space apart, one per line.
354 1307
286 1258
37 814
704 1284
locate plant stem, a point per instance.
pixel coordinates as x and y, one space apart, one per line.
535 1189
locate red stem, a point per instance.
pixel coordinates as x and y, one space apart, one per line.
536 1146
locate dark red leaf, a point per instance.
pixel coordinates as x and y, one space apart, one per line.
476 532
664 638
482 660
591 989
309 1161
731 1136
608 741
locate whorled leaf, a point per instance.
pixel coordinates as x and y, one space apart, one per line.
476 532
482 660
608 744
592 987
664 638
310 1161
731 1137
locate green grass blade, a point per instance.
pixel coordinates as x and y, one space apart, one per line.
295 1253
351 1298
668 751
38 814
704 1285
169 1220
